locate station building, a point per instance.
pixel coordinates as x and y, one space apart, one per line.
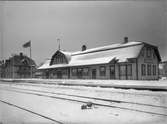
133 60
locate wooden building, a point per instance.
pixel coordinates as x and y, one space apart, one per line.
18 66
125 61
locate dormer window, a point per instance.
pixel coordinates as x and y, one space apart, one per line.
59 58
148 52
154 55
142 53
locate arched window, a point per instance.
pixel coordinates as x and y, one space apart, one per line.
58 58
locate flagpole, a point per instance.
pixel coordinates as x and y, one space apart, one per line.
30 49
58 40
30 61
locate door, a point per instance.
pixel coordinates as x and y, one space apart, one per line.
59 75
47 74
112 72
79 73
93 73
68 73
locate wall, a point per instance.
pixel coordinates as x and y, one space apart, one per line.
107 76
143 59
126 77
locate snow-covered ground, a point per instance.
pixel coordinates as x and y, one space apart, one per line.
13 115
70 111
145 84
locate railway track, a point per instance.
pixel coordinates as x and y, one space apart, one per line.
94 100
75 88
32 112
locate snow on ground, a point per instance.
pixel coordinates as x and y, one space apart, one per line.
136 96
70 112
117 83
13 115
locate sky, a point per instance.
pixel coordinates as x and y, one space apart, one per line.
94 23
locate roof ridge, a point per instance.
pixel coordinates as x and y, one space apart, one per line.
107 47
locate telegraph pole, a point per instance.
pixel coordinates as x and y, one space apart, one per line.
2 30
1 35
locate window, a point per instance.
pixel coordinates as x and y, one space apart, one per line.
154 69
79 72
129 69
148 69
142 53
154 55
143 69
102 71
58 59
122 70
112 70
148 52
74 71
65 71
86 71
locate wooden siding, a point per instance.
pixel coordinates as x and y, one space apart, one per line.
144 59
107 75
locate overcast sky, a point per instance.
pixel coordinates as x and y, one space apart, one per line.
77 23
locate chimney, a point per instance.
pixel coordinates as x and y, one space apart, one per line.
83 47
125 40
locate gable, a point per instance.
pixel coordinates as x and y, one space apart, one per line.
58 58
149 51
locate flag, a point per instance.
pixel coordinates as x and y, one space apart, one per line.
27 44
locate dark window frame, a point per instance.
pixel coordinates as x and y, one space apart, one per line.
143 69
86 71
102 70
122 72
129 72
154 55
154 70
112 70
79 72
142 53
149 69
74 71
65 71
149 52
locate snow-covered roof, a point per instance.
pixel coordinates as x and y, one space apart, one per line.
45 65
112 46
100 55
67 54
